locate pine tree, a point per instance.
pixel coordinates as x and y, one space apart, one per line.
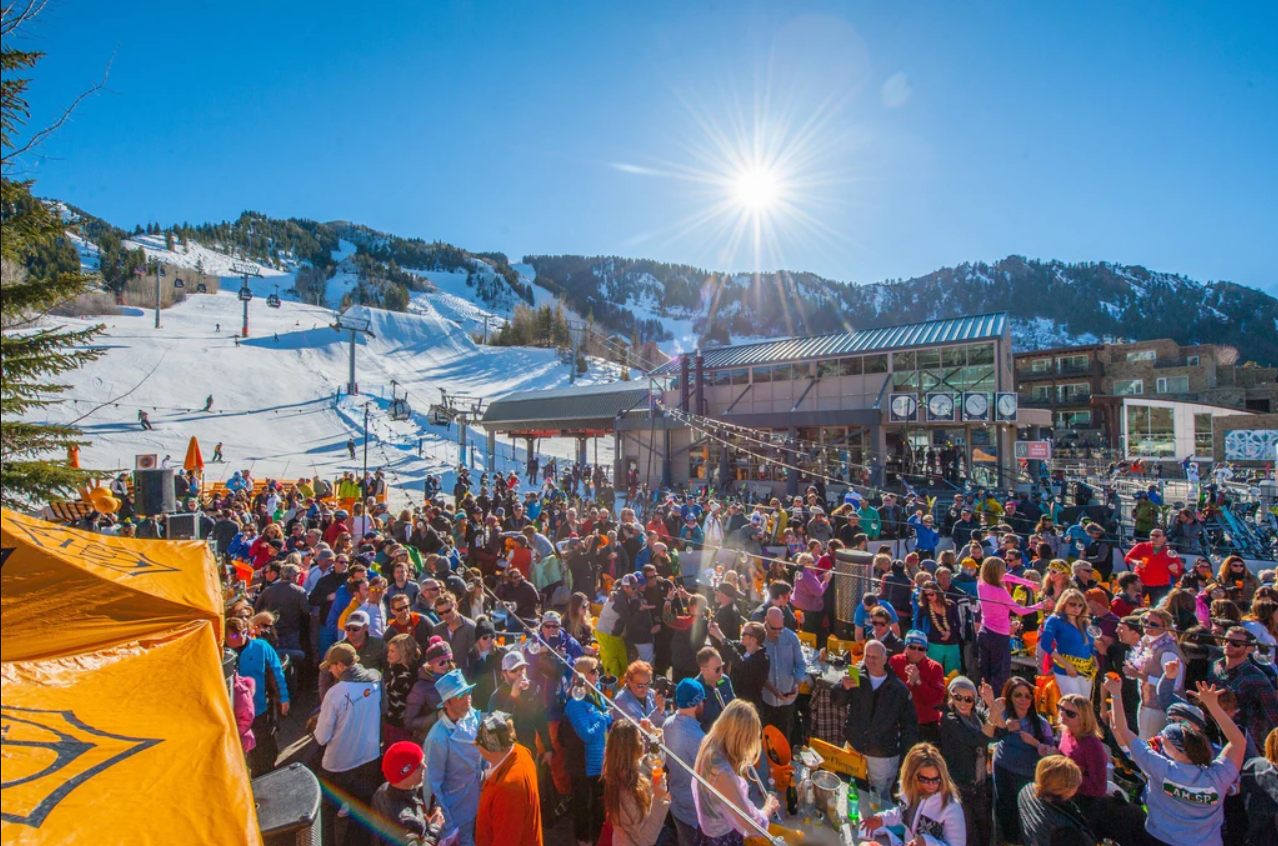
31 351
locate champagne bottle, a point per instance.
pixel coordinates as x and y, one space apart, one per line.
791 799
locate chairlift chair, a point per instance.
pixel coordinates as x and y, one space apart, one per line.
178 282
201 288
246 294
273 301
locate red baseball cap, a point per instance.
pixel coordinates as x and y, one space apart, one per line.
401 759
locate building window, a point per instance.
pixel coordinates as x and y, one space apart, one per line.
876 364
903 361
1073 364
980 354
1042 393
1172 385
1150 432
1142 355
1041 365
1129 387
1073 419
740 376
1203 442
1192 360
1074 392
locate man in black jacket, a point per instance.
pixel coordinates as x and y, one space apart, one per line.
287 600
882 724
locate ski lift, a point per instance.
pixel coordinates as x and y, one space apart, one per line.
273 301
163 272
201 288
178 282
439 416
400 409
246 294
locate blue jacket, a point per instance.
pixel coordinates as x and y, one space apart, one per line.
925 538
256 659
591 724
341 599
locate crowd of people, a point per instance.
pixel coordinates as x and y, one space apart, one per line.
488 666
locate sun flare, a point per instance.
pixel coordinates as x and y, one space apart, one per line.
756 189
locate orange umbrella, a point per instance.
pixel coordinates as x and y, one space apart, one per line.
194 461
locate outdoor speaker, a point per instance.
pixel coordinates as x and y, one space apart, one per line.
183 526
288 806
853 578
153 492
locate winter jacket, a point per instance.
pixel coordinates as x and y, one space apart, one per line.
927 538
421 709
257 658
881 723
591 722
509 814
936 821
243 690
929 693
349 725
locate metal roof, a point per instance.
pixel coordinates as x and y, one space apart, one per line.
580 407
930 333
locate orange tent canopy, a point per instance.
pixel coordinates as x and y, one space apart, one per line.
113 694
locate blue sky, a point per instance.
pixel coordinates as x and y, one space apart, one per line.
899 137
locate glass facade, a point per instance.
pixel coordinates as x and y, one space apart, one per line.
1203 441
956 369
831 451
1150 432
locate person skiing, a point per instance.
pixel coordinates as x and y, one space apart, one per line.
164 465
145 420
208 403
350 447
217 452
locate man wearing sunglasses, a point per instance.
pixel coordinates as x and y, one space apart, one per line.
786 671
925 679
881 724
1257 701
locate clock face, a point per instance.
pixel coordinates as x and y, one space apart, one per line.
903 406
941 405
1007 405
976 405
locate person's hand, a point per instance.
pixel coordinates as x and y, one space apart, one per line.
911 674
987 694
847 683
1172 668
661 702
647 726
660 790
311 723
715 631
1208 694
283 709
1049 604
871 823
771 805
1012 725
1112 686
1028 739
547 756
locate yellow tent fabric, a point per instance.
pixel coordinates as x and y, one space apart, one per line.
117 727
67 590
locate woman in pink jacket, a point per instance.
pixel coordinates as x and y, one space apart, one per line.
993 641
809 592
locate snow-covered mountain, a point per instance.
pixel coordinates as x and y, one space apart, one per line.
1050 303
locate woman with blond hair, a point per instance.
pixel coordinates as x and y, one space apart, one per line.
929 806
1047 805
1066 642
993 642
727 752
635 801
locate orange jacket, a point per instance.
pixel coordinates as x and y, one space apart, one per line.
509 806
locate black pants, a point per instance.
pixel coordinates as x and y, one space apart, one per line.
261 759
1007 787
587 808
976 812
1122 822
780 716
357 787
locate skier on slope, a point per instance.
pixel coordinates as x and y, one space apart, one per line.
145 420
217 453
208 403
350 447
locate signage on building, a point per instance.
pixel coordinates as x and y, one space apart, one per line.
1251 444
1032 450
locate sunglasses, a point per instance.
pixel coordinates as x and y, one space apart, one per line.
929 779
971 699
1068 713
718 669
642 685
551 626
916 649
446 610
1152 625
878 623
776 628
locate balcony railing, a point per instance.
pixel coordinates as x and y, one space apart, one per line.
1037 402
1074 369
1027 374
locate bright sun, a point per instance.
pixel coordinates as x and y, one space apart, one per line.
756 189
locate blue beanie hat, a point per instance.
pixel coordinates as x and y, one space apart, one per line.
689 693
914 637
